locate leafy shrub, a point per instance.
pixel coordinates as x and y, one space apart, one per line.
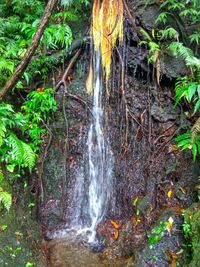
29 124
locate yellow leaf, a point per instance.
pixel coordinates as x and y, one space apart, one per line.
180 252
40 89
169 193
182 190
169 224
89 81
115 224
153 33
135 201
138 220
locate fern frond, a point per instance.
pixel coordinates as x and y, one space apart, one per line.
169 33
178 49
162 18
29 156
21 153
5 199
146 35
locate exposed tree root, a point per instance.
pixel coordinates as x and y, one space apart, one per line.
62 82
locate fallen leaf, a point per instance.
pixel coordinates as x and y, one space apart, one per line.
116 234
169 224
138 221
180 252
172 257
115 224
197 187
182 190
169 193
135 201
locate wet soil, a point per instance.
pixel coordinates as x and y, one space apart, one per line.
71 254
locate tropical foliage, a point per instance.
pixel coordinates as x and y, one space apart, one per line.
22 129
18 23
21 133
169 37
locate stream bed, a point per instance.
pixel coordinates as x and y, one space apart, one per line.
73 254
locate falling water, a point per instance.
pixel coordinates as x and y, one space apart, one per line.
100 156
93 181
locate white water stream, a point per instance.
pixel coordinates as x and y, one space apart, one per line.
100 156
92 186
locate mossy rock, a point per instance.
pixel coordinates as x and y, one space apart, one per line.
192 217
20 236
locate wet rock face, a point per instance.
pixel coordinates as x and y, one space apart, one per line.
166 244
144 14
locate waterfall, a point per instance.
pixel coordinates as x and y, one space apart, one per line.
93 181
100 157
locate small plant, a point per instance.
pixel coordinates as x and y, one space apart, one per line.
157 233
186 229
187 141
29 264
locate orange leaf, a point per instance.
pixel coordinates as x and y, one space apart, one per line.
115 224
40 89
116 234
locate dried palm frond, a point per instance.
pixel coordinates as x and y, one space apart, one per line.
95 30
107 28
195 129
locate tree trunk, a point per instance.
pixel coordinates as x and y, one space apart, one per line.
30 51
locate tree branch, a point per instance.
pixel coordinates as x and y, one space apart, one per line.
31 49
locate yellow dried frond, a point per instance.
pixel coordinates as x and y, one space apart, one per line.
89 81
107 28
96 31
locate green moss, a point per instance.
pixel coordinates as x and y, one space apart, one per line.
192 217
20 235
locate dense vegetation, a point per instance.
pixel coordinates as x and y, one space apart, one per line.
170 37
22 129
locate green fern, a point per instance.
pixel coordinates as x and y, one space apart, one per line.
5 199
178 49
20 154
162 18
169 33
29 156
195 38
